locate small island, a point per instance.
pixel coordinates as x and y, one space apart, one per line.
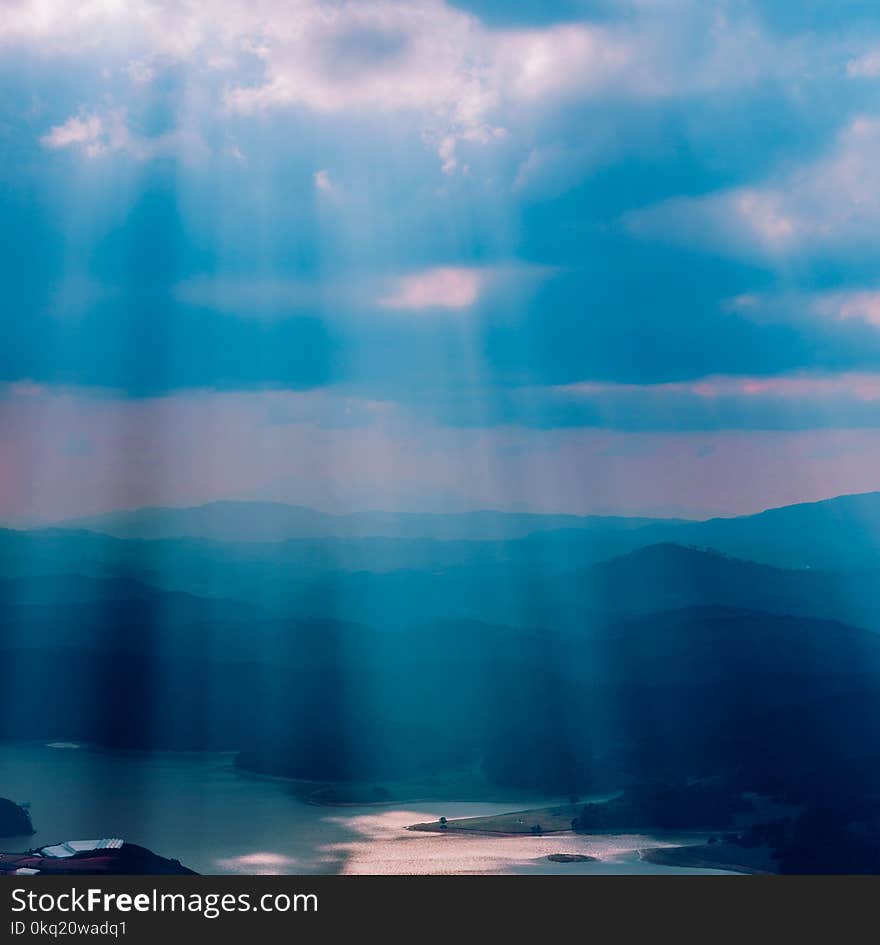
571 858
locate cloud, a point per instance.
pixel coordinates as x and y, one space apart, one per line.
449 287
141 71
269 298
866 66
98 133
830 204
572 59
859 304
421 56
323 182
463 79
852 312
802 401
57 27
574 147
235 152
857 385
426 59
446 153
93 133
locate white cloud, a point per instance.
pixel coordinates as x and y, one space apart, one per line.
235 152
536 64
449 287
92 132
63 28
446 153
829 203
141 72
464 80
323 182
866 66
96 133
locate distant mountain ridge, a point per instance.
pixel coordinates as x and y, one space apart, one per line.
838 533
275 521
842 532
819 559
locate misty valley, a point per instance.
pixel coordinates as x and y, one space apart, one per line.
719 679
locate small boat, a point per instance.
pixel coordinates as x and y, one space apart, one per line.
108 857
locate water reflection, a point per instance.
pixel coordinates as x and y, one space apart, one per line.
199 809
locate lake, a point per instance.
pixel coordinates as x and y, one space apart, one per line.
200 810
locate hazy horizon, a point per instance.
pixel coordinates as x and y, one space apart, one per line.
348 512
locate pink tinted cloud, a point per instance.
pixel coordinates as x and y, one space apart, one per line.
450 287
76 130
862 305
855 385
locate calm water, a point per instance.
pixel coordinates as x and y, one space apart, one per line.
214 819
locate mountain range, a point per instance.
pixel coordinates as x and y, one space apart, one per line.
843 532
275 521
561 653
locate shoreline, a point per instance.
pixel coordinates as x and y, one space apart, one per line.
533 821
704 856
289 837
691 851
478 832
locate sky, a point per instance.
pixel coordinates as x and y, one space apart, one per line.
611 256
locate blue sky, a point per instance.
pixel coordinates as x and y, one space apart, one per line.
584 256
